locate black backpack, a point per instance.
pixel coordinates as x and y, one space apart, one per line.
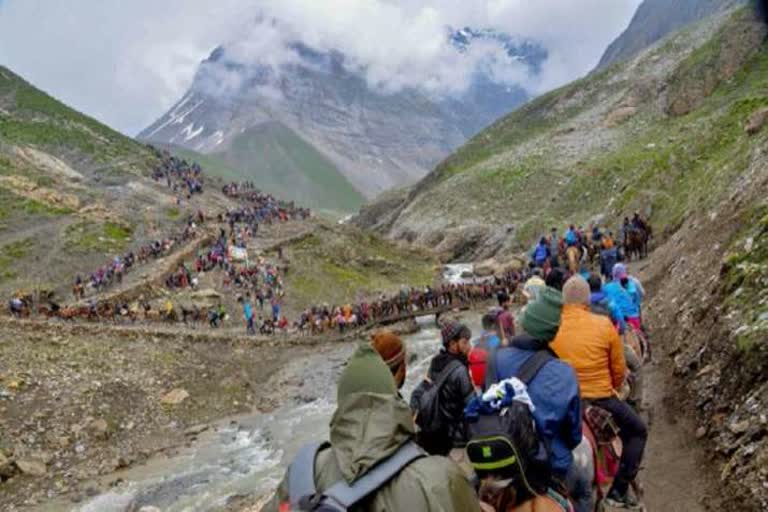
506 445
425 401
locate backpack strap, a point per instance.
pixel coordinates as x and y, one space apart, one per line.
532 366
301 474
447 372
343 496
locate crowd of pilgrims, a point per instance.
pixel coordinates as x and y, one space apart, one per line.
115 269
179 175
320 319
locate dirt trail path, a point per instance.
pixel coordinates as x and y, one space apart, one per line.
675 477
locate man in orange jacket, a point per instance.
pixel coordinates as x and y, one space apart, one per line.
591 345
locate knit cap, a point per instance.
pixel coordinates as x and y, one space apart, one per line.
619 271
365 373
390 347
541 319
454 331
576 291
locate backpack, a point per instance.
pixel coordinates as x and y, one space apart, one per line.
342 496
506 445
425 401
541 253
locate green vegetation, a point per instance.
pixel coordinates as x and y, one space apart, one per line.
16 206
746 280
89 236
173 213
339 266
11 253
283 163
38 119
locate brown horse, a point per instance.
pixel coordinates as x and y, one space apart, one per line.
637 243
573 254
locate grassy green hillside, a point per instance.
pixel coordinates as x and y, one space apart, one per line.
285 164
31 117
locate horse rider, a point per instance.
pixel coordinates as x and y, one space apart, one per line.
592 346
554 245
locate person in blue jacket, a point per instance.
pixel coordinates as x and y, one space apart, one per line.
541 253
601 304
623 291
554 391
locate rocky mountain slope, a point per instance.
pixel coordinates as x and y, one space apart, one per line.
373 139
74 192
679 133
656 19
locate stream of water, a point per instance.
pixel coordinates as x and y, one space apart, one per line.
249 454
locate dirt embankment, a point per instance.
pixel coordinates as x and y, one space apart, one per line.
76 405
709 309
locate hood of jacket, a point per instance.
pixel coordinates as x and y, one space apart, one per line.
371 421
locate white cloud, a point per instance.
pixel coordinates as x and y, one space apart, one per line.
127 62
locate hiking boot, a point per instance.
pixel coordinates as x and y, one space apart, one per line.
625 501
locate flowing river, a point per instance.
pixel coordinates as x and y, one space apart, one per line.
248 455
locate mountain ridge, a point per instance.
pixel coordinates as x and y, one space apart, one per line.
377 140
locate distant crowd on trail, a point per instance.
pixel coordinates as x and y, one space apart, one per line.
182 177
536 414
408 302
112 272
262 207
579 248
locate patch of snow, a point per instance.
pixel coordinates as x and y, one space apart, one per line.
179 119
173 117
190 132
217 137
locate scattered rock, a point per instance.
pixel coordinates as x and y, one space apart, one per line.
701 432
756 121
175 397
619 116
99 428
31 467
149 508
739 427
196 430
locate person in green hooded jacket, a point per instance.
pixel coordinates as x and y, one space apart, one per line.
370 424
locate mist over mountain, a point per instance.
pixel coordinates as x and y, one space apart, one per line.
377 134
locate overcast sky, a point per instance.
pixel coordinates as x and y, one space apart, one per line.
127 62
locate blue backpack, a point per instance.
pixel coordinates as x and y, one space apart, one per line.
541 253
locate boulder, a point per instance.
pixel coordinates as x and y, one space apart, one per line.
99 428
619 116
175 397
31 467
756 121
